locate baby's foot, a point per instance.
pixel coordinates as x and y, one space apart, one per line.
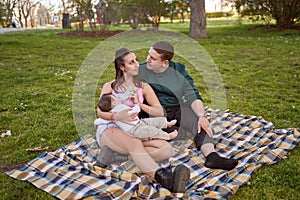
171 123
173 134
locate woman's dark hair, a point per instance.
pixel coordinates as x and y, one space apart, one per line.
119 79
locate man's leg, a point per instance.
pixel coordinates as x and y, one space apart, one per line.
213 159
189 121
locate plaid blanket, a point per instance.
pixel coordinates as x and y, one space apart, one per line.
69 172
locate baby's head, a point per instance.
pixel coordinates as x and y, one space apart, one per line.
108 101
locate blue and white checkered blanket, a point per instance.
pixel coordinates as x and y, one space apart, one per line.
69 172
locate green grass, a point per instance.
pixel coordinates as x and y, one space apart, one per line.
260 70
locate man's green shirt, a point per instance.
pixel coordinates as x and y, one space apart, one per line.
173 86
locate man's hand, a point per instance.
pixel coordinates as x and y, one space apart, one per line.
204 123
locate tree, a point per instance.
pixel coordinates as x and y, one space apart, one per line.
145 11
182 8
108 11
42 15
285 12
155 10
84 10
1 12
176 9
132 11
25 10
8 7
198 19
133 18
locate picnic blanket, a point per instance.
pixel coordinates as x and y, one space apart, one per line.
69 172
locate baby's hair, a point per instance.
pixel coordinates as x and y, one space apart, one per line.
105 102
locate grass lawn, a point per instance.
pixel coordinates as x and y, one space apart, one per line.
260 69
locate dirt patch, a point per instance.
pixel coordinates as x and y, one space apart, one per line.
90 34
107 33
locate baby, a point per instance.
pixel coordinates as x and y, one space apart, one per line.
144 129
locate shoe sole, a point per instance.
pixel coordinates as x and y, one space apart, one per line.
181 178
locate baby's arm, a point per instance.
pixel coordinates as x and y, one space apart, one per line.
135 109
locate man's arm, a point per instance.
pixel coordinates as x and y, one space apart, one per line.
198 107
190 80
203 122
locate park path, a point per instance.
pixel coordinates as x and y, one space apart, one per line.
5 30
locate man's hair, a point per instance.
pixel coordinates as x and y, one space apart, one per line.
165 49
105 102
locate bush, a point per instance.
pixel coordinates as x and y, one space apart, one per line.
218 14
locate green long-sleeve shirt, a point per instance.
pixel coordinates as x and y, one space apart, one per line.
173 86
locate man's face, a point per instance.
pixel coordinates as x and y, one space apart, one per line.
154 62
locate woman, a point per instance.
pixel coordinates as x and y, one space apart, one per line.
145 154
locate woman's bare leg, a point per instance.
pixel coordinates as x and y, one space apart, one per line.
121 142
158 149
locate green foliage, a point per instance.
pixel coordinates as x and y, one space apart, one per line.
143 11
259 67
139 12
285 12
176 9
139 16
84 10
218 14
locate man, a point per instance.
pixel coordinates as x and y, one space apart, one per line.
176 92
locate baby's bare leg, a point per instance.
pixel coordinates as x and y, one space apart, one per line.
173 134
171 123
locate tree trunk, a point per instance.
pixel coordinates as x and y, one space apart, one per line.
198 19
284 13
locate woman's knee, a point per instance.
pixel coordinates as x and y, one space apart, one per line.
164 148
105 138
135 144
168 149
164 152
157 143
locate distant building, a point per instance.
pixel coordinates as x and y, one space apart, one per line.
219 5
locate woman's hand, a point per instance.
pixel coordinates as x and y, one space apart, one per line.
154 107
134 97
204 123
124 116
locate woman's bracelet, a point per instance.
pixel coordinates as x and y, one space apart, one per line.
112 116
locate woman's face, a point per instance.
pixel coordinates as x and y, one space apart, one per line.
131 67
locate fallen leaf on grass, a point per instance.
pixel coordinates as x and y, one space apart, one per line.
38 148
8 133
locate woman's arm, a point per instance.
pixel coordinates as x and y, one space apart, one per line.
105 89
154 107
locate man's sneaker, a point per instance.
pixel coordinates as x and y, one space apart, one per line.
108 156
174 181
